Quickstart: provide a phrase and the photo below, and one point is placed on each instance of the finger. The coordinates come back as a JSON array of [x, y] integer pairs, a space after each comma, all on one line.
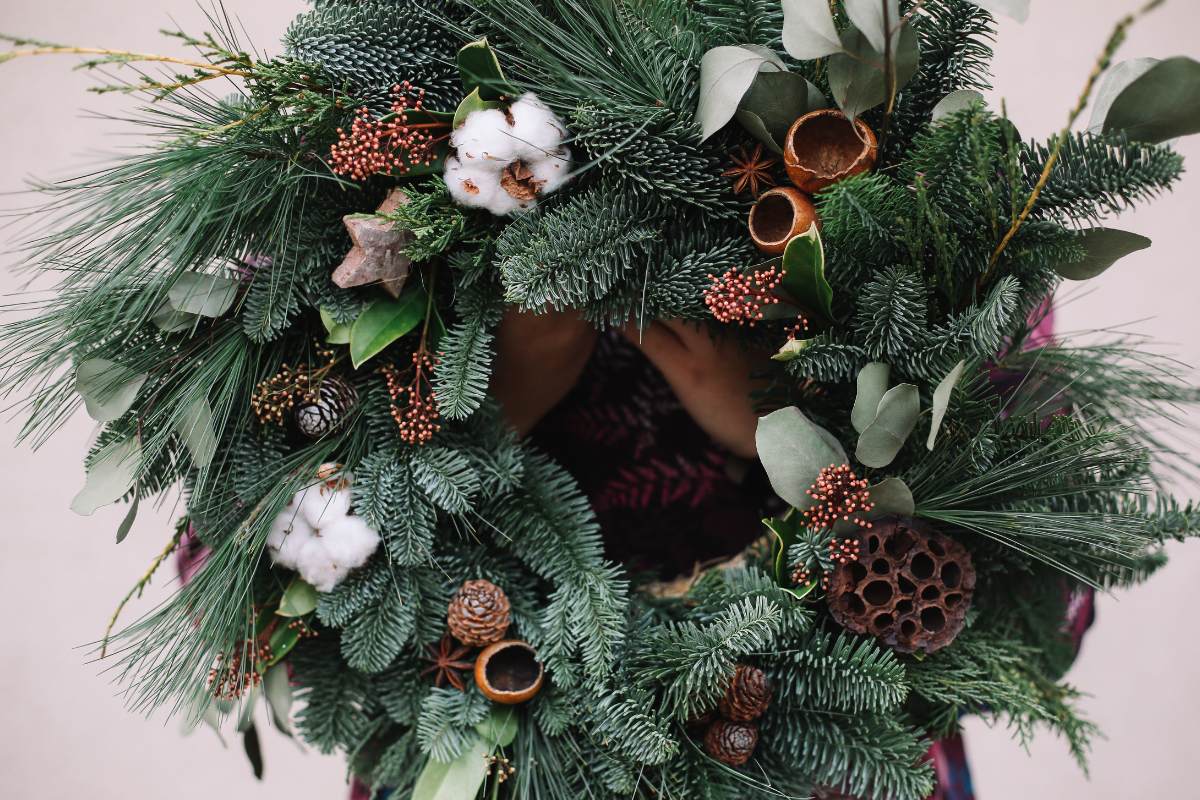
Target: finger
[[657, 341]]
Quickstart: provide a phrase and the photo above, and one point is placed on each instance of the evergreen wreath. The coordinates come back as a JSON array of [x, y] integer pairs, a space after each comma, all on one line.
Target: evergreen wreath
[[288, 307]]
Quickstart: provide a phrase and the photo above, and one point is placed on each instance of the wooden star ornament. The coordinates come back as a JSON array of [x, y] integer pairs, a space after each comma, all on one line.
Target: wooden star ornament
[[377, 256]]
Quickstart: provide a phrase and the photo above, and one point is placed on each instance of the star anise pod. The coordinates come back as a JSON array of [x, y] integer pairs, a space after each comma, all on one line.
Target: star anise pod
[[448, 659], [751, 170]]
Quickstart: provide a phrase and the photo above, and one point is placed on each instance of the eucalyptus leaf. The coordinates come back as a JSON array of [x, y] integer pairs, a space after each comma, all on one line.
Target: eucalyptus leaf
[[891, 496], [897, 415], [956, 101], [109, 475], [195, 429], [480, 70], [336, 332], [941, 401], [457, 780], [877, 19], [499, 727], [808, 29], [804, 273], [127, 523], [1103, 247], [1161, 104], [872, 385], [383, 322], [246, 704], [1016, 9], [856, 76], [108, 389], [793, 451], [168, 320], [726, 74], [299, 598], [278, 690], [202, 295], [1115, 81], [774, 102]]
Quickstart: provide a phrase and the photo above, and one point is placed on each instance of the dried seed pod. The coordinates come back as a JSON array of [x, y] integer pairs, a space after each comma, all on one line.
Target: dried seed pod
[[479, 613], [325, 413], [748, 695], [777, 216], [508, 672], [911, 586], [731, 743], [823, 147]]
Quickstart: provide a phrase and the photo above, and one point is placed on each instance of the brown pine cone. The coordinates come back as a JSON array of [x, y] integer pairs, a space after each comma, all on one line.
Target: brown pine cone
[[731, 742], [479, 614], [748, 695]]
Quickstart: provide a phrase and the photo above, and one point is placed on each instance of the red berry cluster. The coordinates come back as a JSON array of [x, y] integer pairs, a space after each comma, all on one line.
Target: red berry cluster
[[393, 143], [738, 297], [414, 403], [841, 496]]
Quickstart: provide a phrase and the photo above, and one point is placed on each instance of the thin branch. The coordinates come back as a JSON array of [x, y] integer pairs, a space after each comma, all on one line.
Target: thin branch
[[140, 586], [124, 57]]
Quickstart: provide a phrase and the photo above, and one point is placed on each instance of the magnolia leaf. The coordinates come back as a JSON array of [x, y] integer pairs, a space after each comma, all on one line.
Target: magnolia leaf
[[956, 101], [804, 273], [481, 73], [793, 451], [808, 29], [1115, 81], [891, 496], [897, 415], [383, 322], [877, 19], [1103, 247], [857, 78], [336, 332], [461, 778], [195, 429], [108, 389], [253, 748], [872, 384], [469, 105], [278, 690], [499, 727], [774, 102], [1160, 104], [282, 641], [109, 476], [203, 295], [791, 349], [786, 531], [1016, 9], [726, 74], [168, 320], [941, 401], [127, 523], [299, 598]]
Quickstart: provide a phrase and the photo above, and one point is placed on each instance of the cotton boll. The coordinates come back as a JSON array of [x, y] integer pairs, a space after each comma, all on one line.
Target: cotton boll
[[319, 504], [318, 567], [552, 171], [484, 138], [474, 186], [350, 541], [536, 131], [288, 535]]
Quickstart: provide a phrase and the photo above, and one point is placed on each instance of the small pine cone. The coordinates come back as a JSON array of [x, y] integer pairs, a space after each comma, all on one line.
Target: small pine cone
[[328, 411], [479, 614], [748, 695], [731, 743]]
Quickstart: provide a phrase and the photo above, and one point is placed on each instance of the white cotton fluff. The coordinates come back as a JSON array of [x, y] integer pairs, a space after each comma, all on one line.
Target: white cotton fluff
[[490, 140], [318, 537]]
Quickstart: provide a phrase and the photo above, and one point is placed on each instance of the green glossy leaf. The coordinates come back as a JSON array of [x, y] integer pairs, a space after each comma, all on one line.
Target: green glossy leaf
[[299, 598], [793, 451], [336, 332], [785, 531], [956, 101], [108, 389], [1160, 104], [127, 523], [480, 70], [877, 19], [470, 104], [278, 690], [202, 295], [857, 78], [1115, 81], [808, 29], [1017, 9], [1103, 247], [941, 401], [726, 74], [282, 641], [804, 274], [791, 349], [774, 102], [458, 780], [195, 429], [110, 475], [383, 322], [897, 415], [872, 384], [499, 727]]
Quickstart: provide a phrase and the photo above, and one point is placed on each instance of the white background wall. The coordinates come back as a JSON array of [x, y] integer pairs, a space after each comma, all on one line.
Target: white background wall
[[64, 733]]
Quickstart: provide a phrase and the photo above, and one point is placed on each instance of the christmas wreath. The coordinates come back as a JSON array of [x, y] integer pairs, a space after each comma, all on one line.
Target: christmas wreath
[[288, 307]]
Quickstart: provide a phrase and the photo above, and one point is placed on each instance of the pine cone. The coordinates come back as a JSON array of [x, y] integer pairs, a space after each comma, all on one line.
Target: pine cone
[[731, 742], [748, 695], [479, 614], [326, 412]]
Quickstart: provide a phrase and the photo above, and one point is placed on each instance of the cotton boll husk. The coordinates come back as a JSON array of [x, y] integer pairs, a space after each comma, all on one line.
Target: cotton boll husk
[[483, 178], [349, 541], [535, 131], [320, 504], [553, 170], [287, 537], [485, 138]]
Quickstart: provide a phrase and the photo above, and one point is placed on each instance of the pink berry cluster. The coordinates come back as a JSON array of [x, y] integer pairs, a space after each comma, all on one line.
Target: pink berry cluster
[[841, 496], [739, 297], [392, 144]]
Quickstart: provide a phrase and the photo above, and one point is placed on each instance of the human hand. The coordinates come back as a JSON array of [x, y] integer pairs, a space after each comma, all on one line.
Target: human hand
[[712, 377], [539, 357]]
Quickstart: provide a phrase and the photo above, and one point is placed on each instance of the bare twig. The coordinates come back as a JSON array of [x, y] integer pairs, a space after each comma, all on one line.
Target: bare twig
[[140, 586]]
